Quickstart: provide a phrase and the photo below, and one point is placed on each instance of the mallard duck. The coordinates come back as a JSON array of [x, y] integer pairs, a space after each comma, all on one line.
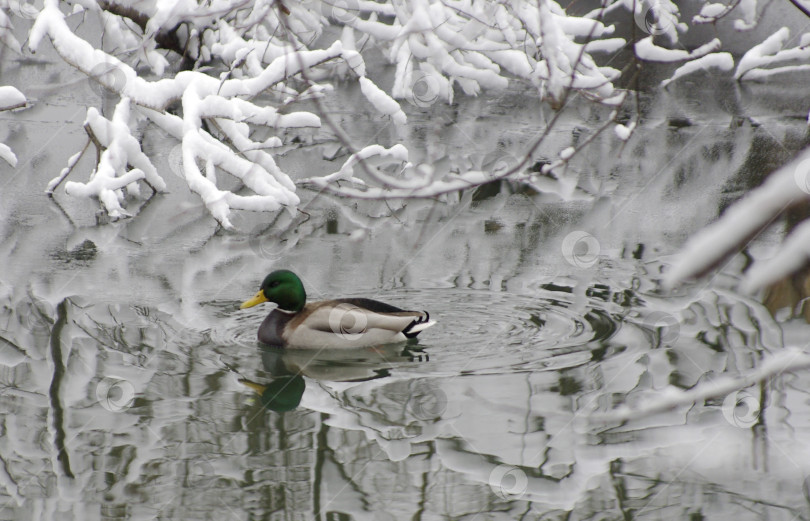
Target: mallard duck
[[342, 323]]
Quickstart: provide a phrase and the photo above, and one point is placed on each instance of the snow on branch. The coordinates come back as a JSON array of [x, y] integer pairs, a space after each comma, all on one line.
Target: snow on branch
[[409, 181], [202, 98], [745, 219], [389, 175], [7, 155], [257, 64], [374, 157], [712, 13], [647, 50], [722, 61], [213, 63], [753, 64], [792, 257], [702, 58], [436, 45], [10, 99], [7, 33], [786, 360], [119, 150]]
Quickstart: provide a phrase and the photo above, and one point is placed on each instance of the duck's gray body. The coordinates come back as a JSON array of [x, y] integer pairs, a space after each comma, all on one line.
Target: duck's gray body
[[342, 323]]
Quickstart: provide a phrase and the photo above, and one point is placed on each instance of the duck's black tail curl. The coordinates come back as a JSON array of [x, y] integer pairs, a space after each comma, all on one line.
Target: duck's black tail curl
[[418, 325]]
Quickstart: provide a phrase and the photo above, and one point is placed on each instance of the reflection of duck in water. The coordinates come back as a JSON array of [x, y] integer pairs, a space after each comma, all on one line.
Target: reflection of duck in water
[[284, 393], [331, 324], [345, 365]]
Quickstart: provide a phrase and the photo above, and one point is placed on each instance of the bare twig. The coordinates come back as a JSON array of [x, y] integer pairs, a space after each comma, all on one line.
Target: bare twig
[[68, 169], [801, 8]]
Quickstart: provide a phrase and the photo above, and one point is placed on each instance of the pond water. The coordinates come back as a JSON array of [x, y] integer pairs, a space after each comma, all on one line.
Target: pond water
[[132, 386]]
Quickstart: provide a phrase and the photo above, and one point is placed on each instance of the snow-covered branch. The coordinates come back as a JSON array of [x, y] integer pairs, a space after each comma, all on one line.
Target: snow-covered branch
[[10, 99], [226, 72], [745, 219], [202, 98], [119, 149], [411, 181], [787, 360], [436, 45], [759, 61]]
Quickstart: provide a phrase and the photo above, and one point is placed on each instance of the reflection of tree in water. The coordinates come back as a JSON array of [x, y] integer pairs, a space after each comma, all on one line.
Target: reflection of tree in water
[[190, 442], [194, 443]]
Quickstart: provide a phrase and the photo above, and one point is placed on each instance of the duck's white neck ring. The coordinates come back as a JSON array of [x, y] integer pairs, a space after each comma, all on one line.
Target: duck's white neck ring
[[286, 311]]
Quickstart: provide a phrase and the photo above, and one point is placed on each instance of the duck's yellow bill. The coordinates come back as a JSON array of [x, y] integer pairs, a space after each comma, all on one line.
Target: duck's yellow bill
[[258, 388], [258, 298]]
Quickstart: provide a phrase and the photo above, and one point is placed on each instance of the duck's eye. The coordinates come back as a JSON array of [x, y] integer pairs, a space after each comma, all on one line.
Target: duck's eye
[[274, 283]]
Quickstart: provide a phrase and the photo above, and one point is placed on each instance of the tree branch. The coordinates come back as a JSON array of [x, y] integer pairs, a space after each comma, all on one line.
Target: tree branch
[[164, 39], [801, 8]]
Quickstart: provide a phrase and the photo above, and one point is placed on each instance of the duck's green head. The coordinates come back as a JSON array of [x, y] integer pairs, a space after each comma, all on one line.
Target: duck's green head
[[282, 287]]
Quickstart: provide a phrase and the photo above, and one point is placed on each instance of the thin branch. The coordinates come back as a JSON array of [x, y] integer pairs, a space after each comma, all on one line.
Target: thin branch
[[801, 8], [54, 185]]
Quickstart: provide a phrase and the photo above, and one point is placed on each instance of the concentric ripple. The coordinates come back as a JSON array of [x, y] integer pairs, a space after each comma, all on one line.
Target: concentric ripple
[[488, 332], [480, 331], [236, 326]]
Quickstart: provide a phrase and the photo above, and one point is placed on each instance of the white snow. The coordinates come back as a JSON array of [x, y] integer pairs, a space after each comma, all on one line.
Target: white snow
[[647, 50], [382, 101], [761, 74], [793, 255], [770, 53], [624, 132], [369, 159], [608, 45], [7, 155], [709, 13], [437, 48], [7, 33], [121, 150], [11, 98], [721, 60], [53, 183], [749, 15], [743, 220], [786, 360]]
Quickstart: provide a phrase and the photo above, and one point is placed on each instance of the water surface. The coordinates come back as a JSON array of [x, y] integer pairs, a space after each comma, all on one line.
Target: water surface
[[132, 387]]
